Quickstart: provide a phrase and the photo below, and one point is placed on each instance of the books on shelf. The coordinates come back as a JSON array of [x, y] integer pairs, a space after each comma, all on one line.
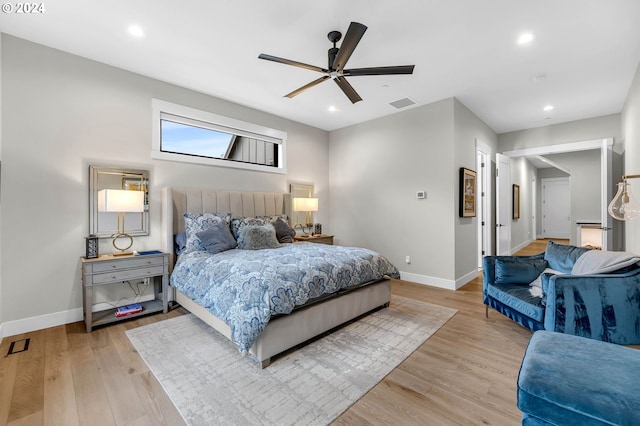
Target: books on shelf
[[123, 311]]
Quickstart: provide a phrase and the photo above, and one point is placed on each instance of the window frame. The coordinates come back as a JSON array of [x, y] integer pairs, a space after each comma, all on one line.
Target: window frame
[[185, 115]]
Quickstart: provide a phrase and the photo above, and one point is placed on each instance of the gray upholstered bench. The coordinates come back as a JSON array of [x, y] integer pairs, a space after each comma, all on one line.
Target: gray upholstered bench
[[571, 380]]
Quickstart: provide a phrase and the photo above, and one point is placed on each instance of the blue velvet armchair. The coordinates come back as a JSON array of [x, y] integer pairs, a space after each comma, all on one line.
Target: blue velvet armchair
[[602, 306]]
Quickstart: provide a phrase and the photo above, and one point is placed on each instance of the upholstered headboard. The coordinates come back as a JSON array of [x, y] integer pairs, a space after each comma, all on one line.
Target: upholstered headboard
[[178, 201]]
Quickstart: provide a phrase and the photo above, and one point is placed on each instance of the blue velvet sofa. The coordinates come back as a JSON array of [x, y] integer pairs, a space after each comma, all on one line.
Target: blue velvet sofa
[[601, 306]]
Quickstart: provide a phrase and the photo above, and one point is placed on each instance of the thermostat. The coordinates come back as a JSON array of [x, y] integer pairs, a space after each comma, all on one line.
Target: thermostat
[[421, 194]]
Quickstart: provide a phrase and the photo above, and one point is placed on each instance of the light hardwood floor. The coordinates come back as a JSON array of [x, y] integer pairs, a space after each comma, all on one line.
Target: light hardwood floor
[[464, 374]]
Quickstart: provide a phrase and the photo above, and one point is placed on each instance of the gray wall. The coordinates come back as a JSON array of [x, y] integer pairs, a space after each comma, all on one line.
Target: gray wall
[[631, 131], [522, 172], [61, 114], [574, 131], [375, 170], [1, 173], [467, 128]]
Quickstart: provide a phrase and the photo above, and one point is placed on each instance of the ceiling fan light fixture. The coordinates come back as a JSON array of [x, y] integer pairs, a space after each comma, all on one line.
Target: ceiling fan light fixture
[[338, 58]]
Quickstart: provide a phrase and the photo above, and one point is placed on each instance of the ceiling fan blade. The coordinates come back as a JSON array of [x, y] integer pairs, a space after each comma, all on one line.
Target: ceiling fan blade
[[348, 89], [306, 86], [399, 69], [290, 62], [351, 40]]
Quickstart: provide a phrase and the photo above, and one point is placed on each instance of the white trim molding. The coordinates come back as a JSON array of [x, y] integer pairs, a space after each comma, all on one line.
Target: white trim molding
[[439, 282], [160, 107], [26, 325]]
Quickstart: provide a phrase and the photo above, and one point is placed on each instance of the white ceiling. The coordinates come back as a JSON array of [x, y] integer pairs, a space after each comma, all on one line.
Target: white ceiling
[[587, 49]]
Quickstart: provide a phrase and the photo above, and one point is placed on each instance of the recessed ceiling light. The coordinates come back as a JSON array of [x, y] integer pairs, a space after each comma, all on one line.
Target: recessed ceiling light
[[333, 109], [548, 108], [136, 31], [525, 38]]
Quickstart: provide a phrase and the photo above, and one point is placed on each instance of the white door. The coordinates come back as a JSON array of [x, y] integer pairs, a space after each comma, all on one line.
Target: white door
[[484, 198], [556, 208], [534, 206], [503, 205], [606, 194]]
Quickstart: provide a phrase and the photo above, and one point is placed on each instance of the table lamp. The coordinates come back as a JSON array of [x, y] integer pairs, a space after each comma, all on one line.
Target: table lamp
[[121, 201], [306, 205]]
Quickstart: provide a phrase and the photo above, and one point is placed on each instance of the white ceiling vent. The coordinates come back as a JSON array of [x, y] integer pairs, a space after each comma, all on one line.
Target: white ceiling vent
[[402, 103]]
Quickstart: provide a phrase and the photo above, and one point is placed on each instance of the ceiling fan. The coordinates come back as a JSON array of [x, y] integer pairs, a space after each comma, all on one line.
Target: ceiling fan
[[338, 58]]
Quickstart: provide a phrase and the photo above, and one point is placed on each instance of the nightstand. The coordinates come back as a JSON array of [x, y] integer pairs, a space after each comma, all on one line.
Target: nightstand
[[109, 270], [319, 238]]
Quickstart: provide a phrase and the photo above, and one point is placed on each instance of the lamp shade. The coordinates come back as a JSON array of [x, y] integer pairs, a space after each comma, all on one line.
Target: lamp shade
[[120, 201], [305, 204], [624, 206]]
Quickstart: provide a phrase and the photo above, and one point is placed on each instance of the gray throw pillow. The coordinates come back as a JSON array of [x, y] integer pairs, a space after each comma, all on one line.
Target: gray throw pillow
[[258, 237], [217, 238], [284, 232]]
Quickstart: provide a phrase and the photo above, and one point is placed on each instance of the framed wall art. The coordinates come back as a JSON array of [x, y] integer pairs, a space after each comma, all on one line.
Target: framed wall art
[[467, 193], [516, 201]]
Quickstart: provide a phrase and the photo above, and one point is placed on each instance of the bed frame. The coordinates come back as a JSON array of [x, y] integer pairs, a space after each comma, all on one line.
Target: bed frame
[[286, 331]]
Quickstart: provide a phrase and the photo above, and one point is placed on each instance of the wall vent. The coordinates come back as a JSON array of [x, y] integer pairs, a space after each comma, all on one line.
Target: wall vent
[[402, 103]]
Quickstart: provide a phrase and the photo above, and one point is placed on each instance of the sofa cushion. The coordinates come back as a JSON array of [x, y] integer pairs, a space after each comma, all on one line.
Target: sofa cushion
[[517, 271], [518, 298], [570, 380], [562, 257]]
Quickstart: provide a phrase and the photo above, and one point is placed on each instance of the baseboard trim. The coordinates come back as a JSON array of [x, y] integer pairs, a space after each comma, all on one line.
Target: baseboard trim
[[466, 278], [521, 246], [427, 280], [26, 325], [439, 282]]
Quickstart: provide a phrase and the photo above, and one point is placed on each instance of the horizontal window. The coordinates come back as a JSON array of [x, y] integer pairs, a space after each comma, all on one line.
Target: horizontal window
[[188, 135]]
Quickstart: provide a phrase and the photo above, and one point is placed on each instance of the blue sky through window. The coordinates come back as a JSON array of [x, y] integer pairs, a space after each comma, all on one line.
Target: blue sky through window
[[185, 139]]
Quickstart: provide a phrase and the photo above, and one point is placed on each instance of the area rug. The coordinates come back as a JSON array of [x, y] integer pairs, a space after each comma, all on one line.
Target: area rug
[[211, 384]]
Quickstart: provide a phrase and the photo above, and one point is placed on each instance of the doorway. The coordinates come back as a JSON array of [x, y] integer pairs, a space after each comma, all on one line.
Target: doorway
[[556, 208], [605, 147]]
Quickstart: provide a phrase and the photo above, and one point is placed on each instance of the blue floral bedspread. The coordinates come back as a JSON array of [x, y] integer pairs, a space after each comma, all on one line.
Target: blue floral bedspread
[[245, 288]]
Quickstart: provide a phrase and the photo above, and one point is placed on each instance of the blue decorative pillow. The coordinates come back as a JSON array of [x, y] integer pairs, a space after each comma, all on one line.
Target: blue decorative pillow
[[562, 257], [512, 271], [237, 223], [257, 237], [198, 222], [179, 242], [217, 238]]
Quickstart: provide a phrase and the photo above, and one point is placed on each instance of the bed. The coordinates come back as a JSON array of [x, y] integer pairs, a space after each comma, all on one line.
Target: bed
[[286, 326]]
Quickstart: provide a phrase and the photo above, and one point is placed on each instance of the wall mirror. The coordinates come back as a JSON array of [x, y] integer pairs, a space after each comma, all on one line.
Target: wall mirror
[[105, 224]]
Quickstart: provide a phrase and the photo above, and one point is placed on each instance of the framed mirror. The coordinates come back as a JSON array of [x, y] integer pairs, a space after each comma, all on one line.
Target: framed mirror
[[105, 224]]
